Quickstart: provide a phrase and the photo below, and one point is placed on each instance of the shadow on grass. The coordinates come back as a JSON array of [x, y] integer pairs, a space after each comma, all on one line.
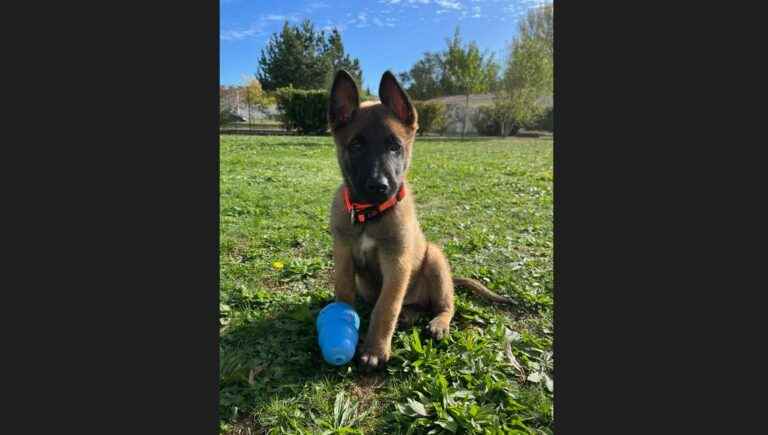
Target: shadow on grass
[[271, 367], [275, 359]]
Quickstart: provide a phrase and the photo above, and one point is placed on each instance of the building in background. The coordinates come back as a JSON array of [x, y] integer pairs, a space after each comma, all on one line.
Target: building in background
[[455, 110]]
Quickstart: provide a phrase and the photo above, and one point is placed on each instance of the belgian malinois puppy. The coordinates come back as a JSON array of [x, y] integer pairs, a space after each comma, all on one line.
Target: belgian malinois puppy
[[379, 250]]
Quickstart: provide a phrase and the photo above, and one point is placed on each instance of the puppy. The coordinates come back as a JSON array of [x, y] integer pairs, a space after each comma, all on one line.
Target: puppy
[[379, 249]]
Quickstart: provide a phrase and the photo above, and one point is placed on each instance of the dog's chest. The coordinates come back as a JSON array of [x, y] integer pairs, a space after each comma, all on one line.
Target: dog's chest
[[364, 251], [366, 244]]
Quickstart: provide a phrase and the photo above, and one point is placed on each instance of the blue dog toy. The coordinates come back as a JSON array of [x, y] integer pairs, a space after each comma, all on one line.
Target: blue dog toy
[[337, 326]]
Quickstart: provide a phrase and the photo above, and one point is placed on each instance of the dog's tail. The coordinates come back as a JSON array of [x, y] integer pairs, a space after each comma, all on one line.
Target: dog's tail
[[481, 290]]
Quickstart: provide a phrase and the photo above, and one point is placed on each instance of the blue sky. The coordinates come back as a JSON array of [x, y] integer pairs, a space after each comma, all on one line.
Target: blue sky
[[383, 34]]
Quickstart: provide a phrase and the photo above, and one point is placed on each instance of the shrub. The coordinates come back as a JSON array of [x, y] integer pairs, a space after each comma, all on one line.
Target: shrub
[[484, 122], [228, 117], [488, 120], [303, 110], [432, 116], [546, 121]]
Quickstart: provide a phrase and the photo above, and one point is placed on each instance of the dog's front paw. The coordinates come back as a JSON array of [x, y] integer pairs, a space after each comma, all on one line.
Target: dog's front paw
[[374, 357], [439, 327]]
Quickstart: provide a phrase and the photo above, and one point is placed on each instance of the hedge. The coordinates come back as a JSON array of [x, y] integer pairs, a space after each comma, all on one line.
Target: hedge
[[547, 120], [432, 116], [227, 117], [486, 121], [303, 110]]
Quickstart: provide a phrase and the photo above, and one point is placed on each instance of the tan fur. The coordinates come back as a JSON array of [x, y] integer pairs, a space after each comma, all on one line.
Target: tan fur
[[390, 273], [388, 261]]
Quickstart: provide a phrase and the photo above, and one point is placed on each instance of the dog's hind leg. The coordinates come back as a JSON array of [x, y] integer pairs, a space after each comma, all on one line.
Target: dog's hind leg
[[436, 281], [409, 315]]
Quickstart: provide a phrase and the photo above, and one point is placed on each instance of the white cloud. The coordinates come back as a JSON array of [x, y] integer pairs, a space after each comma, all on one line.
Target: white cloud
[[449, 4], [237, 35], [333, 24], [394, 2], [257, 28], [520, 8], [361, 20], [330, 27], [317, 5], [412, 3], [280, 17]]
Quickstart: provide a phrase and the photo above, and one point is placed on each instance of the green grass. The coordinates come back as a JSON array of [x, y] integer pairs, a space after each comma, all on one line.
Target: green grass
[[487, 202], [260, 125]]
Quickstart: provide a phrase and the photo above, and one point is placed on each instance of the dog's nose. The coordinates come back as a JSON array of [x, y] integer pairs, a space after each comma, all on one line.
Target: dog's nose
[[377, 186]]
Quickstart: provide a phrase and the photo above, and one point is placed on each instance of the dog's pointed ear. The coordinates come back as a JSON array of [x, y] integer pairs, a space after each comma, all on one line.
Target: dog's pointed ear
[[344, 100], [394, 97]]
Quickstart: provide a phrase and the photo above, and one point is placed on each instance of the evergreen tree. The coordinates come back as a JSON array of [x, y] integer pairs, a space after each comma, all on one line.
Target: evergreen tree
[[302, 57]]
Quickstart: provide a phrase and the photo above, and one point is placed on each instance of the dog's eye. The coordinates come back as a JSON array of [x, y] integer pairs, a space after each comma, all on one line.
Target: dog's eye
[[354, 146], [395, 147]]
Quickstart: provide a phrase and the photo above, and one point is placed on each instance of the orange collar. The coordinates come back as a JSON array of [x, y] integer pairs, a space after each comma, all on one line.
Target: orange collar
[[365, 212]]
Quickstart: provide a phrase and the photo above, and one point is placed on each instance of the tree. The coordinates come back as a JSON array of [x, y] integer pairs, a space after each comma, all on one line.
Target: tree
[[529, 74], [253, 93], [423, 81], [467, 71], [492, 76], [432, 116], [539, 25], [304, 58], [367, 95], [505, 116], [338, 59], [254, 97], [293, 57], [496, 119]]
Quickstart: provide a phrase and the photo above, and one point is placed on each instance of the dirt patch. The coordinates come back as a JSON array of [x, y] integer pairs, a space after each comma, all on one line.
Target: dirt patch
[[246, 426], [365, 389]]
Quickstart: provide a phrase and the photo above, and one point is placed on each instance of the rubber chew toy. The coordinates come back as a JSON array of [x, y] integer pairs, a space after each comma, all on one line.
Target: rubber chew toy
[[337, 326]]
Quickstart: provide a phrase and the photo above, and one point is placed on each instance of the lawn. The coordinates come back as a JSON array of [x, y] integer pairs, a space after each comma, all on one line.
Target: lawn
[[487, 202]]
